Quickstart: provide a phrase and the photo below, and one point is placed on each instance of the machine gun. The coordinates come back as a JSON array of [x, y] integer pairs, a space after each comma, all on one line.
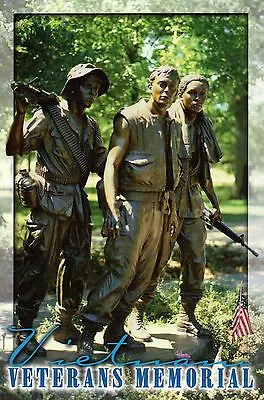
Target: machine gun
[[33, 95], [222, 227], [50, 103]]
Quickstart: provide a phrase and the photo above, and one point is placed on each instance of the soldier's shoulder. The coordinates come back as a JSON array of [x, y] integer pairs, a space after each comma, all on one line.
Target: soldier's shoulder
[[134, 110], [175, 111], [93, 121]]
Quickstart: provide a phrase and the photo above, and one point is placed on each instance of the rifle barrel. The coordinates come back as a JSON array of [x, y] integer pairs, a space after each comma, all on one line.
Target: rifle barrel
[[222, 227], [249, 248]]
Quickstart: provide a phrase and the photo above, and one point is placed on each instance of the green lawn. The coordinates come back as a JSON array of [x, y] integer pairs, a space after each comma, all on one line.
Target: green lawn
[[233, 210]]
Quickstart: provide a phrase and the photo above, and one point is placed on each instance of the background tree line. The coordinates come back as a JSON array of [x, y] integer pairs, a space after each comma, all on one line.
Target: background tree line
[[128, 46]]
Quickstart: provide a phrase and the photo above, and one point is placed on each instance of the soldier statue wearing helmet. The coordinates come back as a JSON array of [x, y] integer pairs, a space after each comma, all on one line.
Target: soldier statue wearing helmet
[[59, 227]]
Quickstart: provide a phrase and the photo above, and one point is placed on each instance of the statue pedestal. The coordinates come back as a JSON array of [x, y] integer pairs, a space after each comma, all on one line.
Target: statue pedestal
[[167, 345]]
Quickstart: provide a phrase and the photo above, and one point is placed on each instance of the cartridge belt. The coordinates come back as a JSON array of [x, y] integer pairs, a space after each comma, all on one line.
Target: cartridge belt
[[53, 178]]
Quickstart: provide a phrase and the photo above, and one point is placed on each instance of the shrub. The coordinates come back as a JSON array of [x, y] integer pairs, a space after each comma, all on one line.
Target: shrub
[[223, 259], [215, 311]]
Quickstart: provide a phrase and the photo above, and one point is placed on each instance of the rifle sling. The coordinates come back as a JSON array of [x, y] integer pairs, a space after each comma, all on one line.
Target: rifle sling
[[66, 132]]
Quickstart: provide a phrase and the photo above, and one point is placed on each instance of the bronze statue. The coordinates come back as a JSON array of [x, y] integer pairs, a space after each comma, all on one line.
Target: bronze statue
[[199, 150], [59, 225], [142, 170]]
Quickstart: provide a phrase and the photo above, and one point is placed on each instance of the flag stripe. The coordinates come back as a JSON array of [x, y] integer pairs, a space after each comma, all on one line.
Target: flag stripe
[[241, 323]]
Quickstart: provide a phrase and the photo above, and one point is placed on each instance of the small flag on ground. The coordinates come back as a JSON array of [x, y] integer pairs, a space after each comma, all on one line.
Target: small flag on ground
[[241, 323]]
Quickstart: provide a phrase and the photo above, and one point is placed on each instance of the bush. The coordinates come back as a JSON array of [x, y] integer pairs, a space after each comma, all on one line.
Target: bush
[[215, 311], [220, 259]]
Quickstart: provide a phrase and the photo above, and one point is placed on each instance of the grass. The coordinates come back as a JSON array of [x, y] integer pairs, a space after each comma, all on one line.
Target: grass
[[97, 217], [233, 210]]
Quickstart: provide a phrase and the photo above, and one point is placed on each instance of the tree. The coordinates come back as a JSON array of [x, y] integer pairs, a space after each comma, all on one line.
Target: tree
[[127, 47], [216, 46], [49, 46]]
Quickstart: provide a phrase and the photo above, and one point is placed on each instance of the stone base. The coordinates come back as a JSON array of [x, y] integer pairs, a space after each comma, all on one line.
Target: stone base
[[167, 346]]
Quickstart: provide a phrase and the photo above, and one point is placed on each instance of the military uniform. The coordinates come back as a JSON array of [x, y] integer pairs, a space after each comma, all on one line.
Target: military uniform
[[59, 229], [198, 150], [143, 184]]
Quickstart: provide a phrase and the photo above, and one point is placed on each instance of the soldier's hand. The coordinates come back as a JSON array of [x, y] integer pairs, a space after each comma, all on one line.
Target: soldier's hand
[[21, 103], [111, 226], [216, 214]]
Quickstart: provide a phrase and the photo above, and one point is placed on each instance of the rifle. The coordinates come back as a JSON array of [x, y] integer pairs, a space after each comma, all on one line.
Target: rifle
[[33, 95], [222, 227]]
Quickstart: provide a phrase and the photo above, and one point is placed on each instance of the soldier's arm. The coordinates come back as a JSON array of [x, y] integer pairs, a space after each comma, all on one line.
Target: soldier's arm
[[208, 188], [14, 142], [118, 148], [26, 137]]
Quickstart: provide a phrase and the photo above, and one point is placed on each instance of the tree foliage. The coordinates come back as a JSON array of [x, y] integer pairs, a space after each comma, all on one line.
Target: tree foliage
[[48, 47], [128, 46], [216, 46]]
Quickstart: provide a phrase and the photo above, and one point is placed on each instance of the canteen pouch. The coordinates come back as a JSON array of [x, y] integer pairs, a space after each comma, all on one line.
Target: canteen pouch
[[27, 189]]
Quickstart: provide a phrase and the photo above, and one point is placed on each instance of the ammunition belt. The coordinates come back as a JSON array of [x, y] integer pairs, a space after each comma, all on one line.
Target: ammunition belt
[[53, 178], [66, 132]]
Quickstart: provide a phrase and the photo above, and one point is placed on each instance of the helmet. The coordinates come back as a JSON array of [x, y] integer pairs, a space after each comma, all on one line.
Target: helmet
[[81, 70]]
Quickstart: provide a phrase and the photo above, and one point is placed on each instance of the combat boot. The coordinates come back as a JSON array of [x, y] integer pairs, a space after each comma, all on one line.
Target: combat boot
[[85, 345], [33, 344], [187, 322], [115, 332], [136, 324], [67, 333]]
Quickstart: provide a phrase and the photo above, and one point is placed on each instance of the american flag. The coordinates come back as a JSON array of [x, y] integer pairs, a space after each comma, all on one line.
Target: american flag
[[241, 323]]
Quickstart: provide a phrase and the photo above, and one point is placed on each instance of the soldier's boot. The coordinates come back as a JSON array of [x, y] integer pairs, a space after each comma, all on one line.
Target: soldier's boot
[[86, 342], [32, 344], [115, 332], [187, 322], [67, 333], [136, 324]]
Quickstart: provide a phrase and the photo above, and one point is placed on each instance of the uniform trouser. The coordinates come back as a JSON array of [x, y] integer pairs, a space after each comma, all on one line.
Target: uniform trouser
[[51, 241], [130, 260], [191, 240]]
